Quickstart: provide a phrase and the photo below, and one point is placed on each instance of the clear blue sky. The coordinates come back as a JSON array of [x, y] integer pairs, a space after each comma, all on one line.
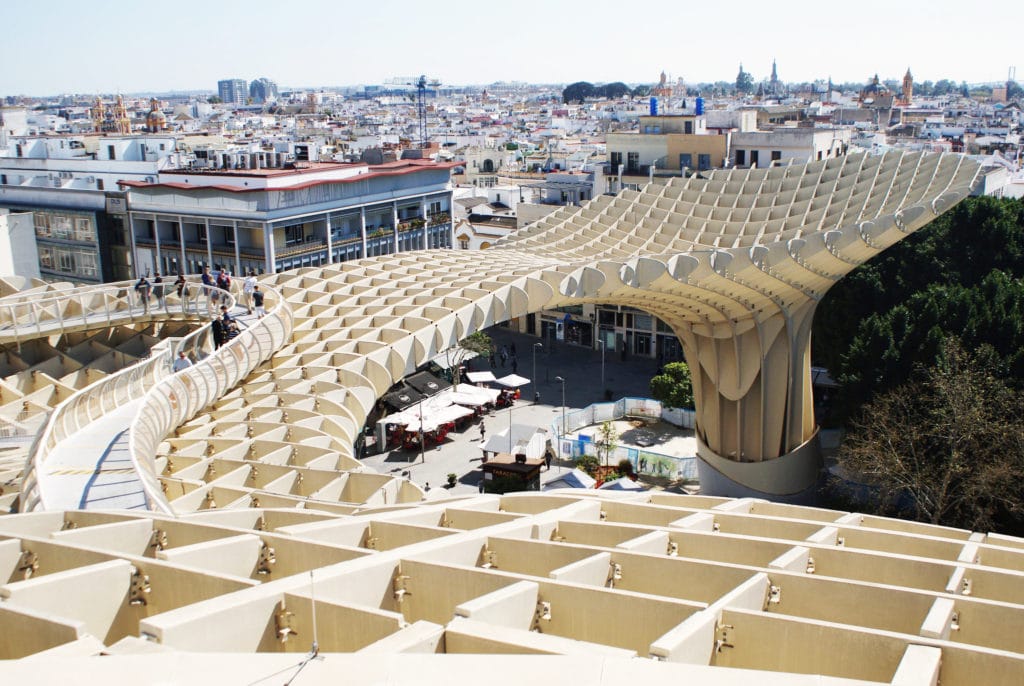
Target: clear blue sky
[[84, 46]]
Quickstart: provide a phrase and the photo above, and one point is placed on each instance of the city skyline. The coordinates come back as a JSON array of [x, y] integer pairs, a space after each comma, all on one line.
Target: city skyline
[[128, 49]]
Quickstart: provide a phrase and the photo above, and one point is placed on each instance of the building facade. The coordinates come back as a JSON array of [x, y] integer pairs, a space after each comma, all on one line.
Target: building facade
[[274, 219], [232, 91], [70, 184]]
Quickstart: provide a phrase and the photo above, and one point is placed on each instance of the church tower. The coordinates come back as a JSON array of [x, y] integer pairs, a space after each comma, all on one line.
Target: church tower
[[908, 87]]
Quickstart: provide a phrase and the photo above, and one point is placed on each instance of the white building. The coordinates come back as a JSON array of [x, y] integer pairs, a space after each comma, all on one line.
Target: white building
[[18, 254]]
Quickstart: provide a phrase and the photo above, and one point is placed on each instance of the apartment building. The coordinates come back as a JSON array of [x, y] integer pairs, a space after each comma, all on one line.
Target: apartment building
[[785, 144], [664, 146], [271, 219], [70, 185]]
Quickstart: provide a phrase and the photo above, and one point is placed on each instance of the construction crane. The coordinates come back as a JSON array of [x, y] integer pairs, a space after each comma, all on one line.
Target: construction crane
[[421, 109]]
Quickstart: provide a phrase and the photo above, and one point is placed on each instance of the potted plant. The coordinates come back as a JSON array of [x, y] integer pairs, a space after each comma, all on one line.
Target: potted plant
[[452, 478]]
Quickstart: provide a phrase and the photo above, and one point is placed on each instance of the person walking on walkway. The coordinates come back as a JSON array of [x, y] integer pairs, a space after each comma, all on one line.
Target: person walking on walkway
[[248, 288], [483, 430], [182, 363], [181, 287], [142, 289], [209, 285], [158, 289], [257, 301]]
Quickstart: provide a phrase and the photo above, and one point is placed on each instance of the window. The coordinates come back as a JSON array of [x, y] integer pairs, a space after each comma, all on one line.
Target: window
[[201, 232], [435, 208], [295, 233], [61, 226], [229, 235], [753, 158], [83, 229], [65, 261], [42, 223], [819, 155], [741, 158], [111, 152], [99, 184], [703, 162], [86, 263], [776, 155], [46, 257], [463, 244], [632, 162], [616, 162], [688, 127]]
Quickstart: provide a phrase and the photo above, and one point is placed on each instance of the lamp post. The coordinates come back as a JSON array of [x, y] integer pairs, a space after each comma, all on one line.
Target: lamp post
[[604, 346], [423, 452], [536, 393], [561, 381]]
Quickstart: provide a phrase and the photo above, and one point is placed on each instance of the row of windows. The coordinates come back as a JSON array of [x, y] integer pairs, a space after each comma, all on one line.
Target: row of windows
[[63, 226], [76, 261]]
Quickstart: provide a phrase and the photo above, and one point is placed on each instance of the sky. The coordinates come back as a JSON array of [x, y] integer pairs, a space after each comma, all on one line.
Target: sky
[[107, 46]]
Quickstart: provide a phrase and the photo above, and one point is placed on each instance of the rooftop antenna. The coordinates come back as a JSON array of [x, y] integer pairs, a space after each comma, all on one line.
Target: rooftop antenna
[[314, 651]]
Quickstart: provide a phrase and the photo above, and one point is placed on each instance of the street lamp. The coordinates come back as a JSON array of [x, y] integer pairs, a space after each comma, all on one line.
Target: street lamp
[[423, 453], [536, 393], [604, 346], [561, 381]]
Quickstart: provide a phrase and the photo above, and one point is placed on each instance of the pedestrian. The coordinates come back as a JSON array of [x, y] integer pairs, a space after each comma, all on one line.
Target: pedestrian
[[483, 430], [182, 363], [210, 286], [547, 459], [248, 288], [142, 290], [257, 301], [158, 289], [217, 327]]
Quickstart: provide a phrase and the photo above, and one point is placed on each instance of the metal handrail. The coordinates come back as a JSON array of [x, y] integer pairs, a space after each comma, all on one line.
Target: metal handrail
[[24, 317], [176, 398], [95, 400]]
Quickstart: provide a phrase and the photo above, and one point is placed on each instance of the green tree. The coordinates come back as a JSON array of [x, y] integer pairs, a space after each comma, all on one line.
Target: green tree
[[673, 387], [214, 100], [960, 275], [616, 90], [947, 447], [578, 92], [641, 91], [607, 440], [744, 82], [478, 342]]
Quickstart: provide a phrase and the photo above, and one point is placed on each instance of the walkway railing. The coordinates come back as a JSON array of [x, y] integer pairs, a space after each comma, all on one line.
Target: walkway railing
[[95, 400], [26, 317], [177, 398], [644, 461]]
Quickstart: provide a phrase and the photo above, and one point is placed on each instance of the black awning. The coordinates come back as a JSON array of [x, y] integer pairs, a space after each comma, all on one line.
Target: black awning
[[401, 398], [426, 383]]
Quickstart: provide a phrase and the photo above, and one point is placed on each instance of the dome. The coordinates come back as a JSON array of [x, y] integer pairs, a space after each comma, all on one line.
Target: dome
[[156, 120]]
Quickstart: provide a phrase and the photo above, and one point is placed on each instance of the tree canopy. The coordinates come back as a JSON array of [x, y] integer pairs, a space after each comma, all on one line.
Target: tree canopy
[[581, 90], [962, 275], [744, 81], [673, 387], [947, 446]]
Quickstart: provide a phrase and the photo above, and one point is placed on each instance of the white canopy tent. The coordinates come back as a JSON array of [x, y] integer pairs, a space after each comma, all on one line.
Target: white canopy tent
[[513, 381], [480, 377]]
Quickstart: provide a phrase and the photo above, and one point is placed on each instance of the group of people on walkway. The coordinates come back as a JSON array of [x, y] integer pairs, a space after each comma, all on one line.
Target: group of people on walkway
[[507, 354]]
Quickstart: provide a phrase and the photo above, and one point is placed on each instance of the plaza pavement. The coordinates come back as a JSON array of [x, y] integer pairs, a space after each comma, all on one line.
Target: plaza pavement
[[460, 453]]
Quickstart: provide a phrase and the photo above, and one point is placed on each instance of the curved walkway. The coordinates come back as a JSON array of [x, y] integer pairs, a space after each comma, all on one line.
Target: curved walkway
[[92, 467]]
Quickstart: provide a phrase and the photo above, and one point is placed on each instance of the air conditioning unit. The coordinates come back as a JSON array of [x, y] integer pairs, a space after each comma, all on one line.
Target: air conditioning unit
[[90, 179], [150, 179]]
